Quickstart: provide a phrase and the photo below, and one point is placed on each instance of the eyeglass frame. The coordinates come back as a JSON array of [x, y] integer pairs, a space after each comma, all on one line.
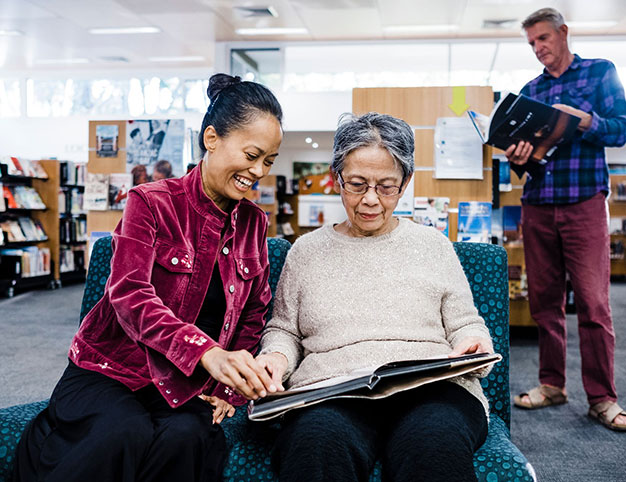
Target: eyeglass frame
[[375, 187]]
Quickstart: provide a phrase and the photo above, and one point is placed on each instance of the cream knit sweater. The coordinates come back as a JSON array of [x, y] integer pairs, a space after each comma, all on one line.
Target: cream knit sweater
[[344, 303]]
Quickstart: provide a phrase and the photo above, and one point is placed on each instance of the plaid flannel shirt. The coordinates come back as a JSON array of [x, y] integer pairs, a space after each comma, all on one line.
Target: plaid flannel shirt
[[578, 170]]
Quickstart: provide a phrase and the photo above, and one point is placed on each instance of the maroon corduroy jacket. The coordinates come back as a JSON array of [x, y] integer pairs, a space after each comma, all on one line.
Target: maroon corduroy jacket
[[142, 330]]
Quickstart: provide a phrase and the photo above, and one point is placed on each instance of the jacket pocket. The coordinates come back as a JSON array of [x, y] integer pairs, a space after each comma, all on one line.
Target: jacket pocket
[[174, 258], [248, 268], [171, 272]]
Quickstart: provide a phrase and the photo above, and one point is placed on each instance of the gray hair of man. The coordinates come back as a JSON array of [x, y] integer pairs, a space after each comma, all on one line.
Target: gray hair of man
[[374, 129], [549, 15]]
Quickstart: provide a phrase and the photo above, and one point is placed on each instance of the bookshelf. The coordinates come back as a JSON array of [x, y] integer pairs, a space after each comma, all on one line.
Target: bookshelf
[[72, 222], [27, 236], [617, 209]]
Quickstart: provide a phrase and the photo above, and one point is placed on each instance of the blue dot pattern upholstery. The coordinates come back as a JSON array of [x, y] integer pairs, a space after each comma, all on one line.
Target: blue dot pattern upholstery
[[13, 420], [97, 274], [485, 266], [250, 443]]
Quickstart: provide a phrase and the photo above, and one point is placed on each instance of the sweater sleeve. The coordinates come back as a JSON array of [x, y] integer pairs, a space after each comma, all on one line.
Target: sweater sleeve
[[459, 315], [282, 332]]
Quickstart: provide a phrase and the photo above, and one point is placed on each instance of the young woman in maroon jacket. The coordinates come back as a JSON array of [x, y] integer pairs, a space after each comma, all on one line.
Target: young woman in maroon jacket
[[165, 354]]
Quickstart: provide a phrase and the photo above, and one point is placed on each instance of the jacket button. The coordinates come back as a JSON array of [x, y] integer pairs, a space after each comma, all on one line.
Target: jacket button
[[174, 261], [225, 250], [168, 391], [226, 326], [175, 400], [245, 270], [231, 288]]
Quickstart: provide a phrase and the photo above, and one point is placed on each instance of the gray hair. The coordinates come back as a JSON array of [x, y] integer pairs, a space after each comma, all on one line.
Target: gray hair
[[374, 129], [549, 15]]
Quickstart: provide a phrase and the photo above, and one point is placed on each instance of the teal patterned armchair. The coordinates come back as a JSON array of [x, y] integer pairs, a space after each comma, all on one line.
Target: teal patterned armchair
[[250, 443]]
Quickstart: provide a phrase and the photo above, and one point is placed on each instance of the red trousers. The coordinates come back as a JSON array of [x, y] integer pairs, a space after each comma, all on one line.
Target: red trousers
[[572, 238]]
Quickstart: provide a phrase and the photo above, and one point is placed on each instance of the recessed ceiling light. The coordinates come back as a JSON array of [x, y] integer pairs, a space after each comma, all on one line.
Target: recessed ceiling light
[[592, 24], [249, 76], [272, 31], [11, 33], [315, 145], [76, 60], [187, 58], [420, 28], [123, 30], [308, 140]]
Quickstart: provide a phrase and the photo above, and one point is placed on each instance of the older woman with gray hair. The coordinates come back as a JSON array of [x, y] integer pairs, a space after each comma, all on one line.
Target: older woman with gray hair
[[368, 291]]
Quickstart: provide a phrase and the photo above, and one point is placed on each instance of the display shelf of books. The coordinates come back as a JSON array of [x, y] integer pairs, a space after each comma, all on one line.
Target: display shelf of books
[[25, 253], [287, 213], [72, 222], [263, 194], [617, 223]]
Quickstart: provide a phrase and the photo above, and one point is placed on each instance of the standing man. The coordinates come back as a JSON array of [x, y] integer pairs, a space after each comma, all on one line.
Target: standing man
[[565, 219]]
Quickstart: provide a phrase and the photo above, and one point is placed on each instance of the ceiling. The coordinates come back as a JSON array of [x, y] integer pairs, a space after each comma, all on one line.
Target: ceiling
[[53, 34]]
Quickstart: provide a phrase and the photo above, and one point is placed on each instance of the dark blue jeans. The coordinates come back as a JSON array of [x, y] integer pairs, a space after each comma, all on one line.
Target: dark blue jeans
[[429, 433]]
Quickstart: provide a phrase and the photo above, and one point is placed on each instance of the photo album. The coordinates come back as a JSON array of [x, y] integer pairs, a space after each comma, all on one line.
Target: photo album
[[378, 382]]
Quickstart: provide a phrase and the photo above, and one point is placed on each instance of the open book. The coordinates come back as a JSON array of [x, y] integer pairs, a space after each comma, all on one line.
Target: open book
[[378, 382], [519, 118]]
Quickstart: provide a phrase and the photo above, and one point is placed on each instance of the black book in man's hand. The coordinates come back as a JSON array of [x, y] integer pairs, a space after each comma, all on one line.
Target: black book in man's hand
[[378, 382], [519, 118]]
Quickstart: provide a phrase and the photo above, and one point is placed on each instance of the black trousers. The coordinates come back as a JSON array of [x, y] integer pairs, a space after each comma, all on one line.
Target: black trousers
[[429, 433], [96, 428]]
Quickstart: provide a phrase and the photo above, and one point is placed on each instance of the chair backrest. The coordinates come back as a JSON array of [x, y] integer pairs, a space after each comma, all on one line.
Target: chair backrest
[[485, 266], [100, 268]]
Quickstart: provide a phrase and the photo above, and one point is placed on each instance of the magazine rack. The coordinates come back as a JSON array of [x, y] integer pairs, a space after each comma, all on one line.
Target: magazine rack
[[250, 442]]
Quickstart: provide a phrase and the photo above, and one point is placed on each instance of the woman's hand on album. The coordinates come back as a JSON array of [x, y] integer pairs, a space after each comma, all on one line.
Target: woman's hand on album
[[221, 408], [470, 345], [239, 370], [276, 365], [519, 153]]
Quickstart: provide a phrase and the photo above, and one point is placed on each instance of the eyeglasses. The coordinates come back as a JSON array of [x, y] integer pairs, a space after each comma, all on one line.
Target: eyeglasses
[[363, 187]]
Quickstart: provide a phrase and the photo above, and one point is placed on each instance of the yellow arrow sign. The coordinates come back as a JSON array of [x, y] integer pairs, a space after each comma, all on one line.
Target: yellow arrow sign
[[458, 106]]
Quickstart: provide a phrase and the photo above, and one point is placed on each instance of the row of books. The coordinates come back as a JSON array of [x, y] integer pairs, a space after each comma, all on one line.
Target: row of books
[[73, 173], [23, 167], [32, 261], [71, 201], [106, 191], [73, 230], [22, 197], [474, 218], [71, 258], [21, 229]]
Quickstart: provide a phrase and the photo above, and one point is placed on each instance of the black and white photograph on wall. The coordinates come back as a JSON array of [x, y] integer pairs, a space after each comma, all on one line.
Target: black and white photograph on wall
[[154, 149]]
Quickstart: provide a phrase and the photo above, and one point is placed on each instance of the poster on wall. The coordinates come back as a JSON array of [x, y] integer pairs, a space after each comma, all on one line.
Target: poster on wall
[[154, 149], [119, 184], [458, 152], [107, 140], [313, 177]]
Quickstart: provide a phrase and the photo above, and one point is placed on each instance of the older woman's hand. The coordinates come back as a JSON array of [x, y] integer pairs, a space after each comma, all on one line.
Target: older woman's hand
[[222, 408], [472, 344], [276, 365]]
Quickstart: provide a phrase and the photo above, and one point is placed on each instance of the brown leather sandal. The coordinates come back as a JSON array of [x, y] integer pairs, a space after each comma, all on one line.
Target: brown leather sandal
[[540, 397], [606, 412]]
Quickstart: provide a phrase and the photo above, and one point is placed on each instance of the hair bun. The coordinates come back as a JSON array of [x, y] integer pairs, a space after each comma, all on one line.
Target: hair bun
[[219, 82]]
